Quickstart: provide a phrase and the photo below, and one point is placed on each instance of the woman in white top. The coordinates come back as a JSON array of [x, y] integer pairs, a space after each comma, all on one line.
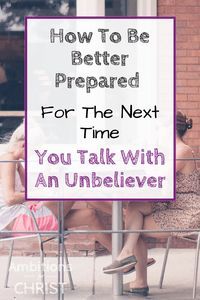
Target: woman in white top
[[14, 216]]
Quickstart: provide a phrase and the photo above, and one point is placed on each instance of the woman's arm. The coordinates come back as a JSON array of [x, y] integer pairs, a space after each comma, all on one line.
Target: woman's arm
[[21, 173], [180, 164], [181, 153], [11, 197]]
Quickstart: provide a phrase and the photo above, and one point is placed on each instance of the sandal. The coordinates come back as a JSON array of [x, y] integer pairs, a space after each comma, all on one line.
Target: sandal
[[150, 262], [119, 266], [144, 291]]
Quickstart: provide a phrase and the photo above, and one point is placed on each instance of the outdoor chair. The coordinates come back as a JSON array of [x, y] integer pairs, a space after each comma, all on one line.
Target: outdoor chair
[[41, 242], [193, 238]]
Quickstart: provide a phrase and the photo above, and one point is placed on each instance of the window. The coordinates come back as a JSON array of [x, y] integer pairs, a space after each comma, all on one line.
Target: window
[[12, 14], [120, 7]]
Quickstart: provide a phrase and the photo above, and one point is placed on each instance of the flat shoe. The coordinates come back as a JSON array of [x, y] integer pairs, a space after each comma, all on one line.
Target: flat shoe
[[150, 262], [137, 291], [118, 266]]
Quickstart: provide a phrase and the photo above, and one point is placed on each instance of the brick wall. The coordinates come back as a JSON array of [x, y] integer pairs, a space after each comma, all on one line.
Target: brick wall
[[187, 14]]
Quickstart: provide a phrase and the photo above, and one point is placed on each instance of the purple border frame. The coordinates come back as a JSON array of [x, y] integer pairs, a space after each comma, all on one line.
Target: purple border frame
[[25, 105]]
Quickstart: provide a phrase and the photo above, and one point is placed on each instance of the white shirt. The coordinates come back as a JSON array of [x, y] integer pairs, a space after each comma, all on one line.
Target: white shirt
[[9, 213]]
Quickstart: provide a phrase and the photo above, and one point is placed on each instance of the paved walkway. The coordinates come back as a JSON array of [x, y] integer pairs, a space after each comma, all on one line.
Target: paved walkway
[[25, 283]]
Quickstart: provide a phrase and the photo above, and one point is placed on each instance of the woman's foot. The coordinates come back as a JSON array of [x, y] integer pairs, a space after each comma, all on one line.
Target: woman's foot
[[150, 261], [136, 287], [120, 266]]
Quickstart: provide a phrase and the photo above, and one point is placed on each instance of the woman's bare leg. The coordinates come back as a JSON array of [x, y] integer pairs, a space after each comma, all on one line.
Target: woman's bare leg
[[104, 206], [140, 251], [138, 216], [134, 220], [53, 206], [88, 216]]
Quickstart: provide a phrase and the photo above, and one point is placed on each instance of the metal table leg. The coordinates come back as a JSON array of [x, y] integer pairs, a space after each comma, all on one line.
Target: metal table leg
[[61, 252], [59, 225], [117, 224]]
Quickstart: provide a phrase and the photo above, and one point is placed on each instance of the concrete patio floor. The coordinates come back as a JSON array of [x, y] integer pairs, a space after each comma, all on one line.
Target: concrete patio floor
[[177, 284]]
